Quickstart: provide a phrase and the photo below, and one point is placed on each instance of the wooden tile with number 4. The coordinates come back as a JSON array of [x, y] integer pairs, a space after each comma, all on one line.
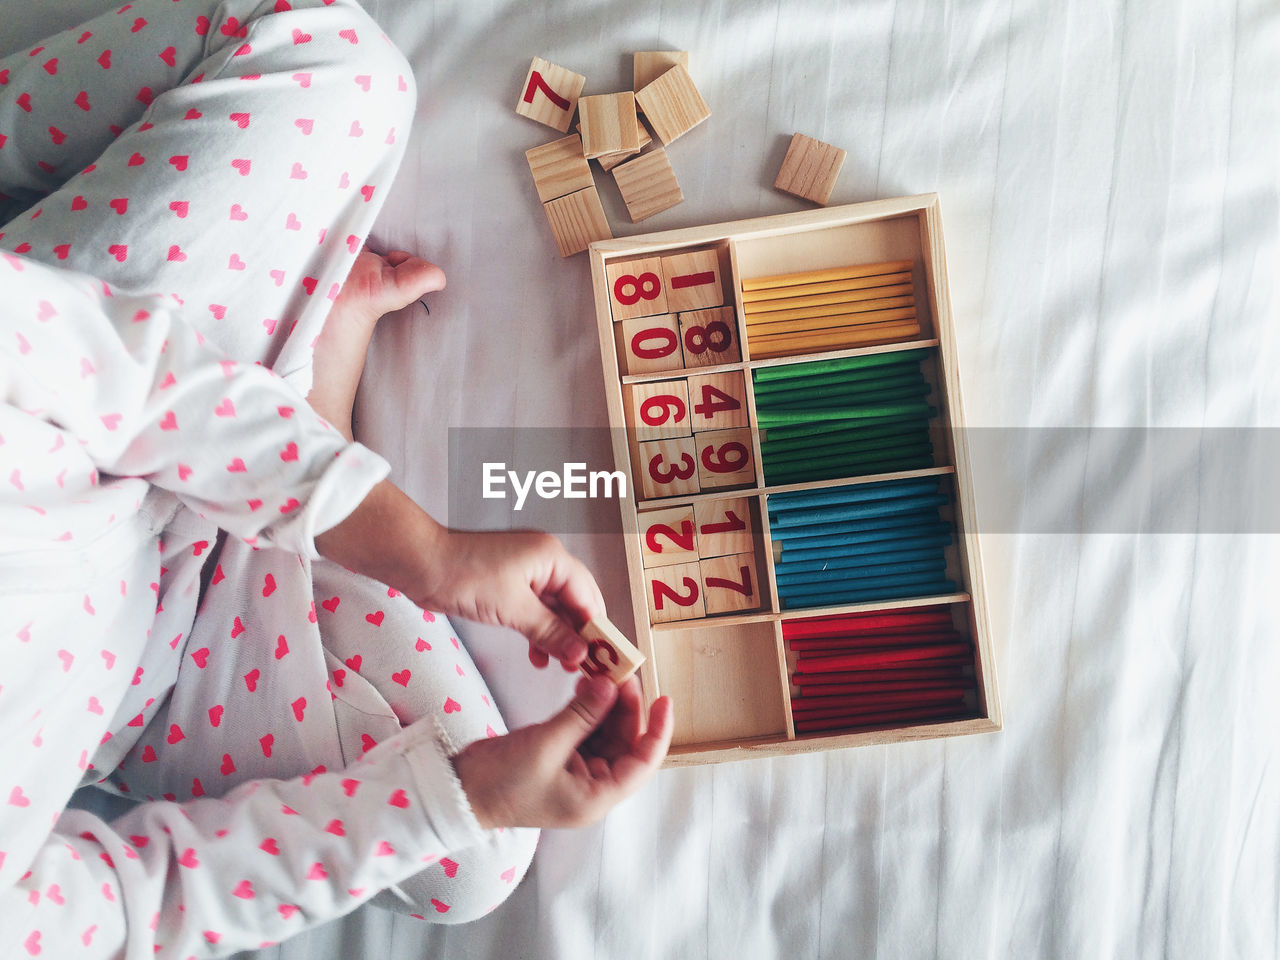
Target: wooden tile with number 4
[[718, 401], [668, 536], [550, 94], [730, 584], [609, 652]]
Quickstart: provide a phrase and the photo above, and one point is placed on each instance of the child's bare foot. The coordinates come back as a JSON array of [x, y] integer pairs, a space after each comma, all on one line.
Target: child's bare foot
[[377, 285]]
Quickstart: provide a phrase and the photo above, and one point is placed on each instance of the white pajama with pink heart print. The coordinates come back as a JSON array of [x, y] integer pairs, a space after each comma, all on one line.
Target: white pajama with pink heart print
[[187, 184]]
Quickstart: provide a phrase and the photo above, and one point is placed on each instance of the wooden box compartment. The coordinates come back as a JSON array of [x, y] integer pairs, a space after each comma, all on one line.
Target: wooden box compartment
[[863, 444]]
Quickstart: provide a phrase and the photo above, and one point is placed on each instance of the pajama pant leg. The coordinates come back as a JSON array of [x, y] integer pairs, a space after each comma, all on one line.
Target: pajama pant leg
[[235, 157]]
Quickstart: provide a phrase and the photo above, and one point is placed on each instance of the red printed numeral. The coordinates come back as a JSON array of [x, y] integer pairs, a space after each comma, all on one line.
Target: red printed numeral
[[536, 83], [668, 536], [730, 583], [675, 593], [668, 467]]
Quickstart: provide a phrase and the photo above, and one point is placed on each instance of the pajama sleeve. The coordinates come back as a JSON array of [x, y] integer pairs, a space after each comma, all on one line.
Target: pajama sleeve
[[147, 396], [210, 877]]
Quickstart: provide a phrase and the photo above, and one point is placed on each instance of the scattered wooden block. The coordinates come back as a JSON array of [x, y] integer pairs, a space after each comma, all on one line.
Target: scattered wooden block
[[657, 411], [577, 221], [609, 124], [559, 168], [648, 185], [647, 66], [550, 94], [809, 169], [672, 104], [717, 401], [636, 288], [723, 527], [668, 468], [708, 337], [610, 160], [650, 344], [668, 536], [675, 593], [609, 653], [692, 280], [724, 458], [730, 584]]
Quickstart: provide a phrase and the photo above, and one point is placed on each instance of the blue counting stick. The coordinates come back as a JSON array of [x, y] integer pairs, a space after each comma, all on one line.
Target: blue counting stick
[[926, 547], [869, 575], [905, 522], [841, 597], [855, 511], [886, 583], [854, 493]]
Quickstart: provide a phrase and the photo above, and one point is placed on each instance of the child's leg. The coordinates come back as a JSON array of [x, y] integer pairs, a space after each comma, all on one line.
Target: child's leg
[[232, 152]]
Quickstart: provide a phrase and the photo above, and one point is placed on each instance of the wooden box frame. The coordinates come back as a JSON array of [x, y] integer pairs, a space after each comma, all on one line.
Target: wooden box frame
[[729, 675]]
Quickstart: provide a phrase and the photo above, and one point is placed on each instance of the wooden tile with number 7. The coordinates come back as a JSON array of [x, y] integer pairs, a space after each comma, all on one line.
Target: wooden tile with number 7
[[730, 584], [550, 94]]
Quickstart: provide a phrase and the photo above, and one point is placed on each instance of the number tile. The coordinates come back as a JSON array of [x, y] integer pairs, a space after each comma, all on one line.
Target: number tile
[[668, 468], [672, 104], [718, 401], [724, 527], [636, 288], [609, 124], [668, 536], [658, 411], [559, 168], [648, 185], [730, 584], [810, 168], [724, 458], [709, 337], [650, 344], [577, 221], [609, 652], [648, 65], [692, 280], [550, 94], [674, 593]]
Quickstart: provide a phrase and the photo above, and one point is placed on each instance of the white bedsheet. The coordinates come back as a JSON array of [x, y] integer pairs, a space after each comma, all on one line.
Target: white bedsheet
[[1109, 179]]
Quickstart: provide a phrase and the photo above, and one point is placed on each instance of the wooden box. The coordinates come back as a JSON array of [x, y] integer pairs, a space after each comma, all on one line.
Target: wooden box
[[728, 657]]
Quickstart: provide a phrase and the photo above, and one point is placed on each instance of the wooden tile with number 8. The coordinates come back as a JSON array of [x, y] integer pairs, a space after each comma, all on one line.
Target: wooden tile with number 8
[[668, 468], [658, 411], [724, 527], [668, 536], [730, 584], [709, 337], [649, 344], [718, 401], [724, 458], [636, 288], [674, 593]]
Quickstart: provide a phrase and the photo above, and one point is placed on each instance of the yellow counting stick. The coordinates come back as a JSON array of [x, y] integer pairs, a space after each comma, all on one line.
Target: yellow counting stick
[[822, 276], [872, 285]]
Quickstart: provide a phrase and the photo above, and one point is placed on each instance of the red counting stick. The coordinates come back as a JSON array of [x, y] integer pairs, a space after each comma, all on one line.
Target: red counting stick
[[879, 719], [850, 623], [880, 657], [875, 640], [911, 672], [843, 705], [847, 690]]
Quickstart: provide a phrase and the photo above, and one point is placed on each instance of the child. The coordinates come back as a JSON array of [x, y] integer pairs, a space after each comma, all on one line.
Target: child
[[232, 156]]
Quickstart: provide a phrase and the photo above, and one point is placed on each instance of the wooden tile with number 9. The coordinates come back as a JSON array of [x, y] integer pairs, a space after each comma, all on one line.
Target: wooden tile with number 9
[[724, 458]]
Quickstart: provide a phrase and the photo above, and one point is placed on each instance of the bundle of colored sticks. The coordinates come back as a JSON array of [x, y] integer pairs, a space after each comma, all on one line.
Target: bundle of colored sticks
[[851, 416], [833, 309], [885, 668], [860, 543]]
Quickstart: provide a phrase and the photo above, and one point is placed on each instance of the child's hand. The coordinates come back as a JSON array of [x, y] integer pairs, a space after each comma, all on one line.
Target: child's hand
[[570, 770]]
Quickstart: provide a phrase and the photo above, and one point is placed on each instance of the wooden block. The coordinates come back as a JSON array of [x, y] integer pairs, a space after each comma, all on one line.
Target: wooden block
[[650, 344], [668, 468], [724, 458], [674, 592], [668, 536], [611, 160], [647, 66], [672, 104], [810, 168], [730, 584], [559, 168], [577, 221], [718, 401], [648, 185], [550, 94], [657, 411], [609, 124], [636, 288], [708, 337], [609, 653], [723, 527], [692, 280]]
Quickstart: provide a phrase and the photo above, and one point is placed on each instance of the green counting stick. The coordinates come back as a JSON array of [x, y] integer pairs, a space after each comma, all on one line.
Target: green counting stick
[[851, 493], [861, 575], [906, 521], [855, 511], [818, 367], [914, 548], [817, 429], [878, 447], [869, 412], [783, 391], [843, 433], [849, 461], [836, 472], [839, 398], [842, 597]]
